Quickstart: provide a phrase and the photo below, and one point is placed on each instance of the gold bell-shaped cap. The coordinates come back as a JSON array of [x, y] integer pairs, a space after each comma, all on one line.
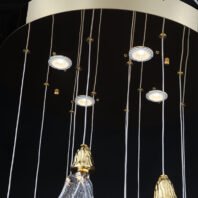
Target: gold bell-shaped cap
[[83, 160], [164, 188]]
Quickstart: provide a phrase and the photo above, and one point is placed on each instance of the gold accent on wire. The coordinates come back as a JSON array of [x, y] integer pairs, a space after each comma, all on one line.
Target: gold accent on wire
[[163, 35], [93, 93], [180, 73], [140, 89], [129, 62], [71, 111], [54, 53], [46, 84], [78, 68], [26, 51], [164, 188], [90, 40], [83, 160], [183, 104]]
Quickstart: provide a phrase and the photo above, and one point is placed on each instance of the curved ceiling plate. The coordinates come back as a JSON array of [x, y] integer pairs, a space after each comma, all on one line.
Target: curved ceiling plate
[[171, 9]]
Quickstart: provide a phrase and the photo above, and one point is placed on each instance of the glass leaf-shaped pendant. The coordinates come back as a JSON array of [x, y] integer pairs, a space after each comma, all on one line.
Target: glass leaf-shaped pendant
[[77, 185]]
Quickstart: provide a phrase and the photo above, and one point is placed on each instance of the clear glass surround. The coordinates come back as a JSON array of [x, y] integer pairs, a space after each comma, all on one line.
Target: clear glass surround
[[140, 54], [156, 96], [60, 62], [84, 101], [77, 185]]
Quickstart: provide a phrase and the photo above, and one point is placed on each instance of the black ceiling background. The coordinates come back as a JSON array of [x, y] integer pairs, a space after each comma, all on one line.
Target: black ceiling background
[[108, 145]]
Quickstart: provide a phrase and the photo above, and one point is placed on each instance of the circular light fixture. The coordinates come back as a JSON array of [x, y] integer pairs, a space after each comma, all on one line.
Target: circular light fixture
[[84, 101], [156, 96], [60, 62], [140, 54]]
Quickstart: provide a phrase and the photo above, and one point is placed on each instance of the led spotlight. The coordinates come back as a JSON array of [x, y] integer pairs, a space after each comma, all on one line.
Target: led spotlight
[[84, 101], [140, 54], [156, 96], [60, 62]]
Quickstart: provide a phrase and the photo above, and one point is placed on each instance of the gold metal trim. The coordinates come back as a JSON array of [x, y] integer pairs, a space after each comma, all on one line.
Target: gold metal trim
[[83, 159]]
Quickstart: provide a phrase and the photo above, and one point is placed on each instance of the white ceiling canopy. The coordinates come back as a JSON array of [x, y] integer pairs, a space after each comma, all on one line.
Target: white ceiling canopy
[[171, 9]]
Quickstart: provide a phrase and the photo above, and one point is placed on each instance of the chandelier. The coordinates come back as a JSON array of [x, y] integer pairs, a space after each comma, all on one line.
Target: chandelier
[[112, 74]]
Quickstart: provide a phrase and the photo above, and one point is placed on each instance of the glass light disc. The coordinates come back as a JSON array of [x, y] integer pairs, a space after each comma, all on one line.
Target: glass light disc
[[140, 54], [60, 62], [84, 101], [156, 96]]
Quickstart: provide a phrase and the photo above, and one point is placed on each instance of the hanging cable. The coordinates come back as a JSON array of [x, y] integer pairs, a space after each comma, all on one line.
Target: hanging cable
[[95, 79], [88, 72], [26, 51], [183, 111], [163, 89], [77, 80], [43, 111], [180, 73], [139, 112], [127, 105]]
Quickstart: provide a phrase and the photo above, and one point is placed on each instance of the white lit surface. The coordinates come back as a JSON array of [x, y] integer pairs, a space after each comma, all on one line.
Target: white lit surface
[[84, 101], [156, 96], [60, 62], [140, 54], [170, 9]]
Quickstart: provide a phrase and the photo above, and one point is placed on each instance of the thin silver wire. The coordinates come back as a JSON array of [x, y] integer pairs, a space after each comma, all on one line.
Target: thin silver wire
[[70, 128], [88, 74], [77, 80], [127, 106], [19, 111], [183, 110], [163, 102], [95, 79], [180, 109], [74, 92], [126, 130], [43, 111], [140, 112]]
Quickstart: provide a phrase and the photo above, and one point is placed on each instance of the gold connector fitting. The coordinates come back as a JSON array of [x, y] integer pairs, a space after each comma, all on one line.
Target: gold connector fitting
[[78, 68], [46, 84], [93, 93], [163, 35], [180, 73], [90, 40], [26, 51], [83, 161], [129, 62], [140, 89], [71, 111]]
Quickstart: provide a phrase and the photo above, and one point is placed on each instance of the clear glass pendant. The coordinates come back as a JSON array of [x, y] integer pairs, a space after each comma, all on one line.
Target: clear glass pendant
[[78, 184]]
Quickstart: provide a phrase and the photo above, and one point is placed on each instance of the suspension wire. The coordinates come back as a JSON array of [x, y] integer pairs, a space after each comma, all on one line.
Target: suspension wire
[[183, 109], [127, 105], [77, 80], [140, 112], [44, 108], [73, 98], [180, 109], [70, 128], [163, 89], [95, 79], [88, 73], [19, 111]]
